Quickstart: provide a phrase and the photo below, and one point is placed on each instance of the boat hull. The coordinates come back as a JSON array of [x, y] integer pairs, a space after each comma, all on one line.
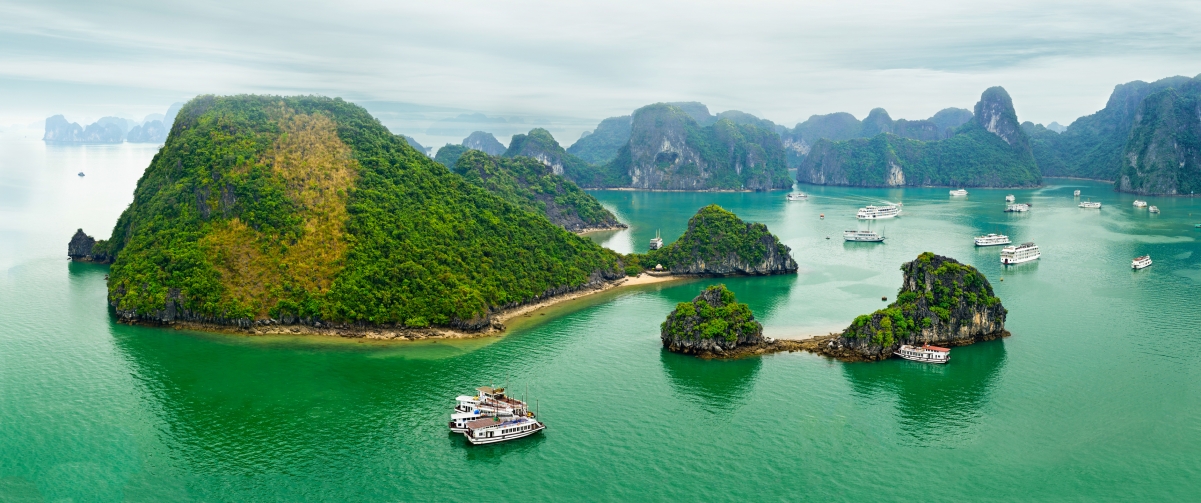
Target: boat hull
[[920, 359], [505, 438], [875, 217], [1009, 261], [994, 244]]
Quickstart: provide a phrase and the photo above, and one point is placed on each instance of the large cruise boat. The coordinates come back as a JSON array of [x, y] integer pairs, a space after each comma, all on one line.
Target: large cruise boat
[[1140, 204], [959, 192], [992, 240], [799, 196], [1017, 208], [1024, 252], [862, 236], [1153, 209], [878, 212], [1010, 198], [656, 242], [494, 429], [924, 353], [1076, 194], [1090, 205], [1142, 262]]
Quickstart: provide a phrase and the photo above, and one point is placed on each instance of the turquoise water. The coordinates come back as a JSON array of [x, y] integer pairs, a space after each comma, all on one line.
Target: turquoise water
[[1095, 397]]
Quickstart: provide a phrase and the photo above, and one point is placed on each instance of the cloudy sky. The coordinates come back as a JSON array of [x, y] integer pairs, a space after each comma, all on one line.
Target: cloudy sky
[[571, 63]]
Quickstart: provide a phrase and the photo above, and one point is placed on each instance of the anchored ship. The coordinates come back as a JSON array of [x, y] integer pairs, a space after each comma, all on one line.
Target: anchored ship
[[656, 242], [1090, 205], [924, 353], [1076, 194], [992, 240], [1140, 204], [798, 197], [862, 236], [1017, 208], [1142, 262], [1024, 252], [959, 192], [878, 212], [1153, 209], [1010, 198]]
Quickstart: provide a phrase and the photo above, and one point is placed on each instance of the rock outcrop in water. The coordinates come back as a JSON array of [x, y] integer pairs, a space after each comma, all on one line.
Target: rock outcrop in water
[[83, 248], [718, 243], [941, 302], [714, 323]]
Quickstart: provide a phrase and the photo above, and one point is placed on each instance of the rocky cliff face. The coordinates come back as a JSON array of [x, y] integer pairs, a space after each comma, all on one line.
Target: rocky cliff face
[[541, 145], [940, 302], [150, 132], [843, 126], [1163, 155], [718, 243], [82, 248], [601, 145], [59, 130], [484, 142], [994, 112], [669, 150], [991, 150], [713, 323]]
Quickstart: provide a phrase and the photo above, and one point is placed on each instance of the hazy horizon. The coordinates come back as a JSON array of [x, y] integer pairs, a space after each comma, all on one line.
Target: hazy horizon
[[566, 67]]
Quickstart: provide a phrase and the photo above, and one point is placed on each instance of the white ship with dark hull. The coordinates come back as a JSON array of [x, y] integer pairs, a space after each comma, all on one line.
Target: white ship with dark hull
[[495, 430], [798, 196], [1153, 209], [1142, 262], [992, 240], [1140, 204], [924, 353], [1090, 205], [959, 192], [1017, 208], [862, 237], [1076, 194], [1010, 198], [878, 212], [1024, 252]]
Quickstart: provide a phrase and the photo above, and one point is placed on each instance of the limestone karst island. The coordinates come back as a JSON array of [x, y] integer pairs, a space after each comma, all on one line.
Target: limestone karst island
[[532, 251]]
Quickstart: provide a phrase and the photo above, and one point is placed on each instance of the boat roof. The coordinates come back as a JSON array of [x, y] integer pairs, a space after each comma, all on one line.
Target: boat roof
[[490, 389], [935, 348]]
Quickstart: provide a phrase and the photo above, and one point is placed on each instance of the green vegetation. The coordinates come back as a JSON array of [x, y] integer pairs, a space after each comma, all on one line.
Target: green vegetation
[[307, 208], [724, 244], [531, 185], [449, 154], [973, 157], [724, 155], [944, 287], [714, 314], [1163, 155], [601, 145]]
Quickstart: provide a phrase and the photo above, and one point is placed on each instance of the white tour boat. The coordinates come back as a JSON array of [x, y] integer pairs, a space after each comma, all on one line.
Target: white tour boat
[[494, 429], [490, 400], [1024, 252], [924, 353], [992, 240], [656, 242], [1076, 194], [1153, 209], [798, 196], [878, 212], [959, 192], [862, 236], [1010, 198], [1142, 262], [1017, 208], [1090, 205], [459, 420], [1140, 204]]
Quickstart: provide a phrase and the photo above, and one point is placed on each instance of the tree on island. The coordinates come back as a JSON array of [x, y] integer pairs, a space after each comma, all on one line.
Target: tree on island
[[714, 322]]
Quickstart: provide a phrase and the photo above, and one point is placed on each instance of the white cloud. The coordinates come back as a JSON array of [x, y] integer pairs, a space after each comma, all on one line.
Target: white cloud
[[782, 60]]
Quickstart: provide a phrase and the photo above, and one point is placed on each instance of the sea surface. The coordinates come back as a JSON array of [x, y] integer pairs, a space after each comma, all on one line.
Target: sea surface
[[1095, 397]]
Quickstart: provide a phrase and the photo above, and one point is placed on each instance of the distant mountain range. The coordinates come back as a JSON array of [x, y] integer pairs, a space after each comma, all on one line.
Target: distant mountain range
[[1144, 140], [152, 129]]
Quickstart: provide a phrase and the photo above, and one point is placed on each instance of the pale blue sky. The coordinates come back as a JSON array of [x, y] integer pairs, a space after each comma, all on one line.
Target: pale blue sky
[[575, 63]]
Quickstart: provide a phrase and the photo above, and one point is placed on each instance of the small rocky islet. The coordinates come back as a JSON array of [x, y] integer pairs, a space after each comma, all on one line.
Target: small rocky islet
[[941, 301]]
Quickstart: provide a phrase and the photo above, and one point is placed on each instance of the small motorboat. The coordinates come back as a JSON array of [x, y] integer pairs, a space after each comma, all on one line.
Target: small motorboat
[[81, 174]]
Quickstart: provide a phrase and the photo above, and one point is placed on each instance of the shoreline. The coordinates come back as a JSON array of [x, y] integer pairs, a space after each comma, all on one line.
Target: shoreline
[[416, 334], [633, 189], [590, 230]]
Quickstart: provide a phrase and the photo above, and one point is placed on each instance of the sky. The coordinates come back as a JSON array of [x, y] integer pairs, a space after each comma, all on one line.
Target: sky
[[568, 64]]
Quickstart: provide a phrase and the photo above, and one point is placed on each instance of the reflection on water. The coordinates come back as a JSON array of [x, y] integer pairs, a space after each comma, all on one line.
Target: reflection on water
[[935, 403], [715, 385]]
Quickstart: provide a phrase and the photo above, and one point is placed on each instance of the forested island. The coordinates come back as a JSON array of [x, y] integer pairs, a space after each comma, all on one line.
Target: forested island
[[713, 324], [306, 211]]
